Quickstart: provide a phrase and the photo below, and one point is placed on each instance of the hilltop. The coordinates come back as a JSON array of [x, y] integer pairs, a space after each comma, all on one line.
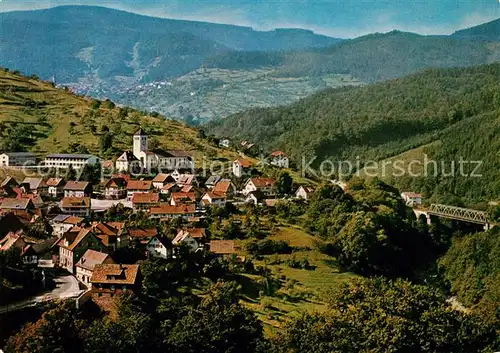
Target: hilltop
[[456, 107], [38, 117]]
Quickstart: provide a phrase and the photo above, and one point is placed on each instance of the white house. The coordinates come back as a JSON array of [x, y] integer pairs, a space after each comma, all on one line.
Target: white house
[[241, 167], [412, 199], [159, 248], [63, 223], [85, 266], [168, 160], [161, 180], [188, 238], [55, 187], [266, 186], [125, 162], [224, 143], [304, 192], [76, 206], [78, 189], [211, 198], [280, 159], [12, 159]]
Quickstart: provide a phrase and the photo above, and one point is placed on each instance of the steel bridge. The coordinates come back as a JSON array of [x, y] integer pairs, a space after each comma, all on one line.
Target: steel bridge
[[459, 213]]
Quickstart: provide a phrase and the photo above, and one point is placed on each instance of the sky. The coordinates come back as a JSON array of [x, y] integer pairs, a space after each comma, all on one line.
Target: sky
[[336, 18]]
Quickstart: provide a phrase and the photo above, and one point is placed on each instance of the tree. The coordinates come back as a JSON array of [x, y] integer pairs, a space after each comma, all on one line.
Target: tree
[[284, 183], [379, 315], [235, 328], [105, 141], [58, 330]]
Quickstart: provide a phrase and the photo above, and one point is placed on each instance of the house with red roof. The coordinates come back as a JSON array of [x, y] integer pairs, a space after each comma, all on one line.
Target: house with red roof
[[280, 159], [73, 244]]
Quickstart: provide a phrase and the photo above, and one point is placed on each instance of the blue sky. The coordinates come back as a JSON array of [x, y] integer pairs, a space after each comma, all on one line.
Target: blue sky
[[339, 18]]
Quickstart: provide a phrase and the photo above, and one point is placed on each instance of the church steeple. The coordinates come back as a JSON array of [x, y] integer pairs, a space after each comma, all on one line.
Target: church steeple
[[140, 143]]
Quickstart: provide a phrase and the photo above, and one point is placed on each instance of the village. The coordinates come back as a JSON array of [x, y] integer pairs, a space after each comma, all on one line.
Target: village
[[78, 228]]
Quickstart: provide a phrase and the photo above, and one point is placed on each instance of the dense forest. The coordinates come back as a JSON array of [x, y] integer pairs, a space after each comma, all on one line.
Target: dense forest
[[371, 58], [456, 107]]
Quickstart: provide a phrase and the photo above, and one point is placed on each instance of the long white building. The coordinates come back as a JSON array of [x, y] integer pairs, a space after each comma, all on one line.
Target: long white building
[[77, 161]]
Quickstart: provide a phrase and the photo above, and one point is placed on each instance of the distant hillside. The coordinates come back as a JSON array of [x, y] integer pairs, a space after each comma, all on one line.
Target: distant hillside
[[96, 43], [37, 117], [485, 31], [172, 66], [371, 58], [455, 106]]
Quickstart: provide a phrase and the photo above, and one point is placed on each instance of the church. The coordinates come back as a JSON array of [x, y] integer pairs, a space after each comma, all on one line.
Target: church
[[149, 159]]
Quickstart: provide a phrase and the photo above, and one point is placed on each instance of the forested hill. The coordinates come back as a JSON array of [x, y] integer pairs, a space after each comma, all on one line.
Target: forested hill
[[455, 106], [485, 31], [371, 58], [73, 42]]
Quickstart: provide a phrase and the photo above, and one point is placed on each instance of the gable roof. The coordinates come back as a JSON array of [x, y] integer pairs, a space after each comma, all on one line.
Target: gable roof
[[196, 233], [115, 274], [142, 233], [76, 185], [117, 182], [261, 182], [91, 258], [186, 179], [74, 236], [11, 239], [308, 189], [162, 177], [140, 132], [179, 196], [245, 163], [147, 197], [71, 202], [278, 153], [168, 209], [222, 247], [139, 185], [34, 183], [16, 204], [222, 187], [127, 156], [54, 181]]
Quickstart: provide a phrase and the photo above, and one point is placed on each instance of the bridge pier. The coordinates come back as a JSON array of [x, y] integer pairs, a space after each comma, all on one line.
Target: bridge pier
[[419, 213], [488, 226]]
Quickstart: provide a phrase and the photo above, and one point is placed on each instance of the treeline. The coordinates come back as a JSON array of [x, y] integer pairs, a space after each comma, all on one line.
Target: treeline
[[384, 120]]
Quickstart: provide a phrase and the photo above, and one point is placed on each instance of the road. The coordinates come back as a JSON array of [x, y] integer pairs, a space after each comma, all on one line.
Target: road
[[66, 287]]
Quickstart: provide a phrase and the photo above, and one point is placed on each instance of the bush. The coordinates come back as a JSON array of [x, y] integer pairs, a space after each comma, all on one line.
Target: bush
[[269, 247]]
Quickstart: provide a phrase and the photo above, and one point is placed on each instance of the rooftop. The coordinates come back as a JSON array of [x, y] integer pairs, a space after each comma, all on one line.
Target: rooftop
[[115, 274]]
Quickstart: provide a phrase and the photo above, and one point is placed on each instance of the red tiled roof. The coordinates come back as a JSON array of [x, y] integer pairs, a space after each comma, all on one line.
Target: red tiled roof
[[115, 274], [54, 182], [143, 233], [74, 236], [222, 187], [263, 182], [139, 185], [147, 198], [168, 209], [76, 185], [278, 153], [245, 163], [72, 202], [179, 196]]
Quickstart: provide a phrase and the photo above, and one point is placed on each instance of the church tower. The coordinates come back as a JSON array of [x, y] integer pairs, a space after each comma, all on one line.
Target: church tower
[[140, 143]]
